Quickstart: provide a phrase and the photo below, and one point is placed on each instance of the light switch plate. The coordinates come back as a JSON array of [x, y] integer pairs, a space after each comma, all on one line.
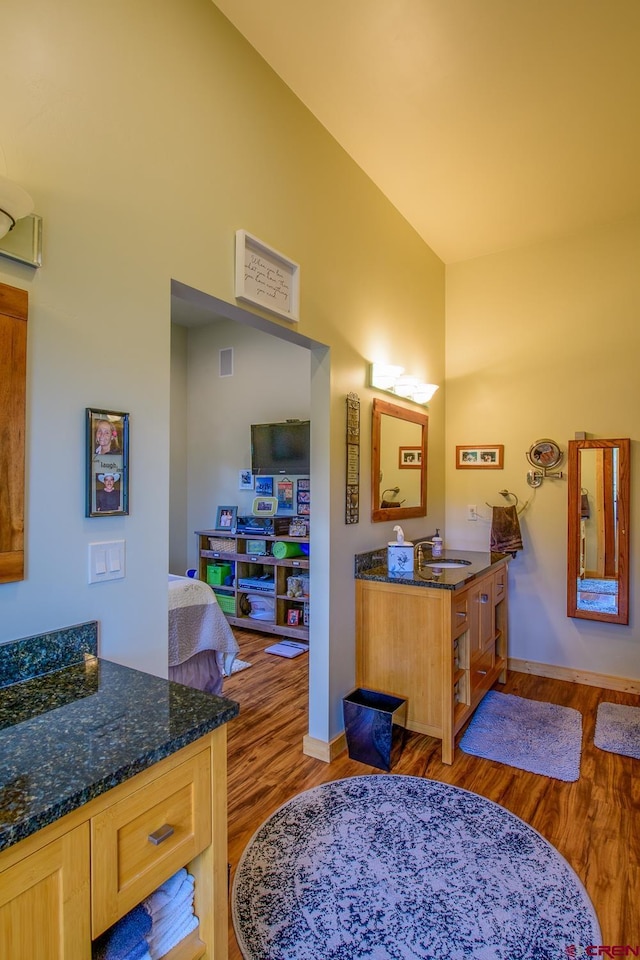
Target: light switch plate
[[106, 561]]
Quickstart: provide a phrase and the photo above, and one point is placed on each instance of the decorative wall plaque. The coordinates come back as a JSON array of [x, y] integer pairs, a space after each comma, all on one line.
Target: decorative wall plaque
[[352, 502]]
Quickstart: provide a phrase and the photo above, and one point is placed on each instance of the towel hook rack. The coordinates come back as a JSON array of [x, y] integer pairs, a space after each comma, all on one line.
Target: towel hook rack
[[507, 494]]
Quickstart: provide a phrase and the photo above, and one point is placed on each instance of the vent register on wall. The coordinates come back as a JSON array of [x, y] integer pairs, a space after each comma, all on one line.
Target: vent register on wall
[[259, 570]]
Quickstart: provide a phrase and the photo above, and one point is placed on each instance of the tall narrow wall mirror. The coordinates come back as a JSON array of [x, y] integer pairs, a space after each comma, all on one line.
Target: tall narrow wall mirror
[[398, 462], [598, 544]]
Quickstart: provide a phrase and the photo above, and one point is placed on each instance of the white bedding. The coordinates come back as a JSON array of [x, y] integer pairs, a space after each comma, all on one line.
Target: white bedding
[[196, 622]]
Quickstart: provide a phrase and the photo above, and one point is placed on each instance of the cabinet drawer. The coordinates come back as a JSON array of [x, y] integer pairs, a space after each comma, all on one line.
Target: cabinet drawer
[[500, 585], [140, 841], [481, 670], [460, 614]]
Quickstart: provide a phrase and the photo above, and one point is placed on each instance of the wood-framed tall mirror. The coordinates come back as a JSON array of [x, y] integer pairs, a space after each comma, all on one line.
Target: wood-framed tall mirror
[[598, 537], [398, 462]]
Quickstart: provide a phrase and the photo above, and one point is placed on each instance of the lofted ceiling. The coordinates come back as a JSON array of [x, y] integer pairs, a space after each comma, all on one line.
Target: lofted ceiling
[[489, 124]]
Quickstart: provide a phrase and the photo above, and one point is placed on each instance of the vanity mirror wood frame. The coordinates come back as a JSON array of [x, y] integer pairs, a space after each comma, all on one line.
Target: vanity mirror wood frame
[[381, 408], [608, 507], [13, 380]]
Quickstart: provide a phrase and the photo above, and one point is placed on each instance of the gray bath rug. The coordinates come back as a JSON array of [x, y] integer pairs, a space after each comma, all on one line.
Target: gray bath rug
[[618, 729], [539, 737]]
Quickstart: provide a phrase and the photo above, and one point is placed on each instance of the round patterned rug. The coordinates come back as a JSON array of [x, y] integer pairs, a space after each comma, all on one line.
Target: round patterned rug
[[397, 868]]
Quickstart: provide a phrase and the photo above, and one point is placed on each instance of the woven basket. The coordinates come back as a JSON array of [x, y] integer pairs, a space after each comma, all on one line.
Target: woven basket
[[222, 544]]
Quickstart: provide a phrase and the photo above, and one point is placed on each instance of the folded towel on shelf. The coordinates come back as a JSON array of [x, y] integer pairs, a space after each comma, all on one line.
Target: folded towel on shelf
[[159, 946], [505, 530], [165, 893], [126, 936], [141, 952], [173, 918], [182, 899]]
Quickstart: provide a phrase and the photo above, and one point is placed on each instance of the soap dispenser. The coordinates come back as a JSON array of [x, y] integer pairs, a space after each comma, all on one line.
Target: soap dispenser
[[436, 545], [399, 555]]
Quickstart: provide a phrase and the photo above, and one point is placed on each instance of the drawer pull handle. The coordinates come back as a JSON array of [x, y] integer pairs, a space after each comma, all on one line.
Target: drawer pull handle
[[160, 835], [459, 613], [482, 673], [484, 598]]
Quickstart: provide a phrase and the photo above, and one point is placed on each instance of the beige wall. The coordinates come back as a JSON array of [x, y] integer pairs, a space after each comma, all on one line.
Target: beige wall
[[544, 342], [148, 133]]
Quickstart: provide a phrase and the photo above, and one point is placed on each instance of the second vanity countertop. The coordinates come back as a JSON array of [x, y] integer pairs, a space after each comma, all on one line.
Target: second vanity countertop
[[75, 733], [373, 566]]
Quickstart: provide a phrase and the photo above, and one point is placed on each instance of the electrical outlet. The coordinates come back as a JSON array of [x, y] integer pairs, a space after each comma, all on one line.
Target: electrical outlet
[[471, 512]]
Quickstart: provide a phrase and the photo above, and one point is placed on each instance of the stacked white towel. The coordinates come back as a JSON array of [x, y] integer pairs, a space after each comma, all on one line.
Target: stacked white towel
[[171, 910]]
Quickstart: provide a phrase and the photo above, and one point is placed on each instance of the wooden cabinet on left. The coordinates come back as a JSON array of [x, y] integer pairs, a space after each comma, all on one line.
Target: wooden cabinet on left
[[45, 903], [13, 387], [86, 864]]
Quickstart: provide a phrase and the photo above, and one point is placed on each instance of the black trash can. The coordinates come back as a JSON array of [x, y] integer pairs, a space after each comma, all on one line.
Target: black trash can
[[375, 727]]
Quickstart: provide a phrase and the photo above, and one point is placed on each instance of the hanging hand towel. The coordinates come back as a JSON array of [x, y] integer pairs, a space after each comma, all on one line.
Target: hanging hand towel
[[505, 530], [585, 512]]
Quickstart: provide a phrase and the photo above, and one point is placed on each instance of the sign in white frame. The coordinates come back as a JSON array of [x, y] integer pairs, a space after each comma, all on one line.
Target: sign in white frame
[[266, 277]]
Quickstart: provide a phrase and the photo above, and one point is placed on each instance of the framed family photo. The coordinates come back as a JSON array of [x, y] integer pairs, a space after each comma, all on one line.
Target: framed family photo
[[107, 459], [226, 519], [480, 458]]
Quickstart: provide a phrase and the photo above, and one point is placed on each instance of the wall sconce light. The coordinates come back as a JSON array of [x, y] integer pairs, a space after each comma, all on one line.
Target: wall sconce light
[[392, 379], [20, 229]]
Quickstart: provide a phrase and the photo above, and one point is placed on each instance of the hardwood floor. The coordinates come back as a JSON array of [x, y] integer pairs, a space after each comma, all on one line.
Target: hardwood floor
[[594, 823]]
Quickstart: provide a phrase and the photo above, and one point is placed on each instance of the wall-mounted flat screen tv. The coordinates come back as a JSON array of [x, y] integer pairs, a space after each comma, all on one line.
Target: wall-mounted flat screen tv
[[280, 448]]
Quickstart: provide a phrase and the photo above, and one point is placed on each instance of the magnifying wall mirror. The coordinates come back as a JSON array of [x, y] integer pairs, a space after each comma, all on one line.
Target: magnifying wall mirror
[[598, 547], [398, 462]]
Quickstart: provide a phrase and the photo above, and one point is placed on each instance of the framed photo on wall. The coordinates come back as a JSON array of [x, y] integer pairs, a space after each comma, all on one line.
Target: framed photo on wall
[[409, 458], [264, 486], [107, 459], [480, 458]]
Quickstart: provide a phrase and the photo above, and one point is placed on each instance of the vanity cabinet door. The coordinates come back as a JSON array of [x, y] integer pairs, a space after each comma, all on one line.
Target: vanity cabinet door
[[481, 636], [481, 617], [44, 902]]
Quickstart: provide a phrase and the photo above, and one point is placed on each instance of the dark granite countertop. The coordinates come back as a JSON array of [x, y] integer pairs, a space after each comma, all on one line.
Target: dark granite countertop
[[373, 566], [74, 733]]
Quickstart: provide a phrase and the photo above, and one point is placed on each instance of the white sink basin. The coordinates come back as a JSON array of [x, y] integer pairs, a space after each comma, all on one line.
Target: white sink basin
[[448, 563]]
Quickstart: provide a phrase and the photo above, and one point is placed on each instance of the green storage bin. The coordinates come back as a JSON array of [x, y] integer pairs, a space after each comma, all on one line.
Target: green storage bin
[[217, 573], [226, 603]]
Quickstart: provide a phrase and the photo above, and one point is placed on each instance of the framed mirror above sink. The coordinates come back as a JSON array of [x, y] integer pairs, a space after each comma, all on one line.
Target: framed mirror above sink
[[598, 530], [398, 462]]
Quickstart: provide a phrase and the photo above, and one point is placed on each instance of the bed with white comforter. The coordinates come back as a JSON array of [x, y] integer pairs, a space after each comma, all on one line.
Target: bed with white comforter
[[201, 642]]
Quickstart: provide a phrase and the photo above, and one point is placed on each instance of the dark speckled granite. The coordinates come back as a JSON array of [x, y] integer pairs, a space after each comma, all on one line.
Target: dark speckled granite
[[373, 566], [69, 736], [32, 656]]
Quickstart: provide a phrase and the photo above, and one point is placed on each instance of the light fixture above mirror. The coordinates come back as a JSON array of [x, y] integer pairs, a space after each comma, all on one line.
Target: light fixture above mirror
[[393, 379], [15, 203], [20, 229]]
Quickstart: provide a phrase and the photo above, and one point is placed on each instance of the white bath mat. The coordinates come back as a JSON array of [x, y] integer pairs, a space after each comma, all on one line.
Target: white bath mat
[[288, 648]]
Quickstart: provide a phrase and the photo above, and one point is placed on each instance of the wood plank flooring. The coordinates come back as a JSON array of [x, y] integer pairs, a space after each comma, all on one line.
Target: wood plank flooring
[[594, 823]]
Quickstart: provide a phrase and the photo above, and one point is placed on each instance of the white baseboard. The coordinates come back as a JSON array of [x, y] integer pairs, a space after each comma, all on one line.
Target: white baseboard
[[621, 684], [321, 750]]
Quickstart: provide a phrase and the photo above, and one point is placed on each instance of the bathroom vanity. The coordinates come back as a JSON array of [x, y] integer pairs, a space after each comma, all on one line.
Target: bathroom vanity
[[436, 636], [111, 780]]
